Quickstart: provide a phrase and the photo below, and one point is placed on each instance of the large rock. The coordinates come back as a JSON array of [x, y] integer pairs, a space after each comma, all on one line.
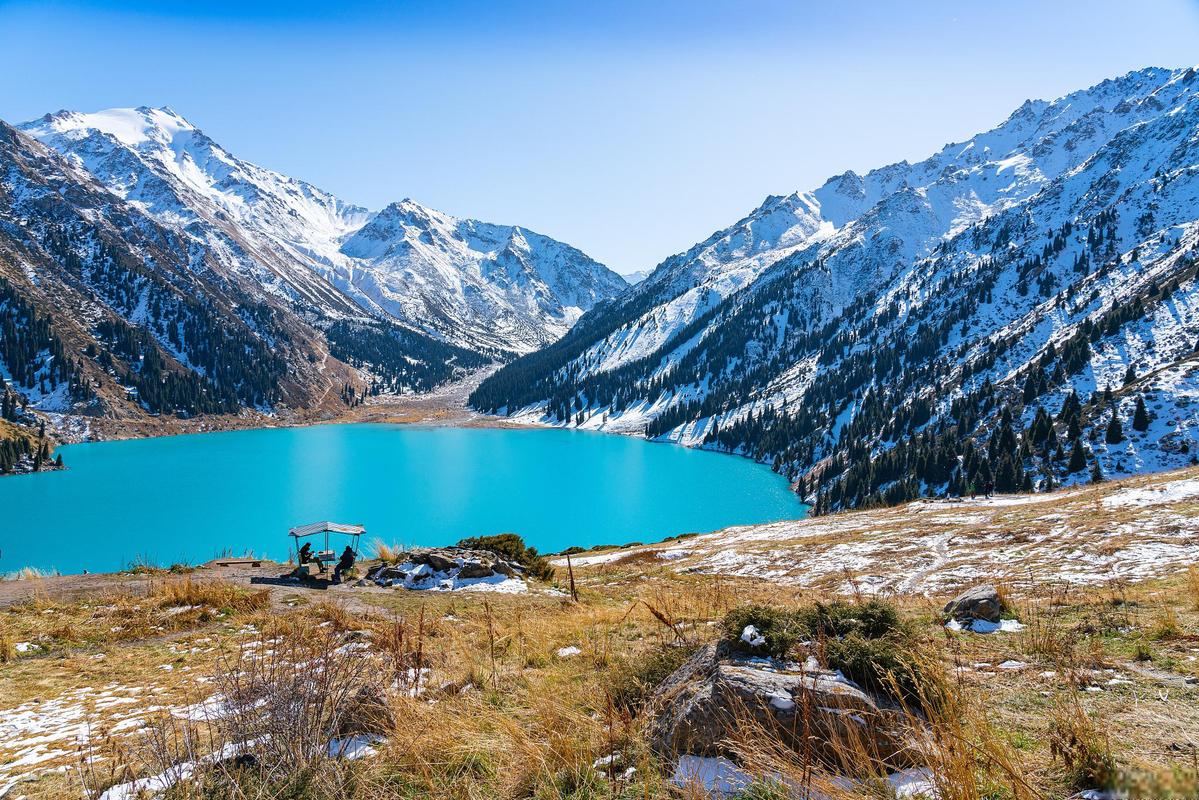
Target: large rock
[[475, 569], [438, 561], [703, 703], [979, 602]]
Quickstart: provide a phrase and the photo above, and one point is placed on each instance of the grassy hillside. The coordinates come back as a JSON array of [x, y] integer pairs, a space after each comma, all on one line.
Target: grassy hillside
[[470, 695]]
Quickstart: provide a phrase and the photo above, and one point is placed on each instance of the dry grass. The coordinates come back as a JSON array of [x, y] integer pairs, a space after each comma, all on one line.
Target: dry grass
[[474, 701], [385, 551], [164, 606], [28, 574], [224, 597]]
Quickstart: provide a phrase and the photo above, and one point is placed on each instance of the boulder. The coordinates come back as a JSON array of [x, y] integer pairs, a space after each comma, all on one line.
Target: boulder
[[979, 602], [698, 708], [386, 574], [475, 569], [438, 561]]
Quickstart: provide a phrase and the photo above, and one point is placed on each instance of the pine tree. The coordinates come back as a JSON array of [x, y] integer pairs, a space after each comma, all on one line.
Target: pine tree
[[1115, 433], [1140, 418], [1078, 458], [1096, 471], [1130, 375]]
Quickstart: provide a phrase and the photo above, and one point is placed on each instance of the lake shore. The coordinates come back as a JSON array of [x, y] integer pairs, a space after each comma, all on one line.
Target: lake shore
[[446, 406]]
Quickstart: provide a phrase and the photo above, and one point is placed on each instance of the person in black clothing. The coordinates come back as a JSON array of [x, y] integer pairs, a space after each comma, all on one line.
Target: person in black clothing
[[306, 553], [989, 489], [344, 564]]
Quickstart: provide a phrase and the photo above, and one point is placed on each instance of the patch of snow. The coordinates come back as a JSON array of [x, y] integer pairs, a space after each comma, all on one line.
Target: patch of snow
[[751, 636], [1154, 495]]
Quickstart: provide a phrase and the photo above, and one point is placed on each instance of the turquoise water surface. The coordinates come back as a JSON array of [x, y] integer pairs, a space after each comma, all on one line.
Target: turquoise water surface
[[191, 498]]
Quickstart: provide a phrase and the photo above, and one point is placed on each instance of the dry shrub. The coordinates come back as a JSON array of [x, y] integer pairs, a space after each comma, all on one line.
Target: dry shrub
[[8, 648], [29, 574], [216, 594], [386, 552], [1082, 748], [1193, 585], [1167, 625]]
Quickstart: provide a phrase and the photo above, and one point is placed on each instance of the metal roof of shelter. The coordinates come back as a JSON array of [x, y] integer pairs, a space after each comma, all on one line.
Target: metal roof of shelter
[[314, 528]]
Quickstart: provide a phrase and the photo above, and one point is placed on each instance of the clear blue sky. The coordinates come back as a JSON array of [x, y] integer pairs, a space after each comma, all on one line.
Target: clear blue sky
[[629, 129]]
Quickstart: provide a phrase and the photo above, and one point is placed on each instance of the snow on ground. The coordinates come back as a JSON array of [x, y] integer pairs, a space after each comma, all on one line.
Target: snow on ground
[[423, 578], [720, 777], [45, 735], [1130, 530], [1169, 493]]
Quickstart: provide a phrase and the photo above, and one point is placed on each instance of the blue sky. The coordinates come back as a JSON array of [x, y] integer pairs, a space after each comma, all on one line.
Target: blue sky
[[629, 129]]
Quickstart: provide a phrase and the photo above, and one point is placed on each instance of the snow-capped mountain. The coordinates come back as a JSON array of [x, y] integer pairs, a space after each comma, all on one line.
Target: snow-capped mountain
[[896, 333], [107, 313], [473, 282], [487, 287]]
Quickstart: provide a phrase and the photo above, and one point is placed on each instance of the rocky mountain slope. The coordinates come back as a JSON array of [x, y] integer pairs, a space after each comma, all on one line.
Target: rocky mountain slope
[[487, 287], [482, 285], [106, 312], [979, 317]]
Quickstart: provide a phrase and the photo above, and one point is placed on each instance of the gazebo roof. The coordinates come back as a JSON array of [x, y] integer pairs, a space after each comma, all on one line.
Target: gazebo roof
[[313, 528]]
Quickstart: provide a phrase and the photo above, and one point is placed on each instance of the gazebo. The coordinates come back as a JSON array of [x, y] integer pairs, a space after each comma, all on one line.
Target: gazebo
[[326, 555]]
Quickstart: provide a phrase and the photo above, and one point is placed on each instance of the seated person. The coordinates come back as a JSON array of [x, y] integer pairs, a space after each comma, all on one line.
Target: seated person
[[344, 564], [306, 553]]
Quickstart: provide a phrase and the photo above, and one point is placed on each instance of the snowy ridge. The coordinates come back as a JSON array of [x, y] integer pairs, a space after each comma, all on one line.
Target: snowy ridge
[[483, 286], [473, 281], [1061, 242]]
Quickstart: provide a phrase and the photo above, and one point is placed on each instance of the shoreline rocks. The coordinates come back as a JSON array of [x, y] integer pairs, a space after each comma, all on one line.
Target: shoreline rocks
[[447, 568]]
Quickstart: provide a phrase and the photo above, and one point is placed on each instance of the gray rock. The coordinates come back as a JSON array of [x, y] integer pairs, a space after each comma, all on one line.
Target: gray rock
[[436, 560], [702, 704], [475, 569], [978, 602]]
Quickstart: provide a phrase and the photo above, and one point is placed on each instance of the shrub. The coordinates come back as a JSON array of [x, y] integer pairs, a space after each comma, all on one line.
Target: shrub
[[217, 594], [512, 547], [867, 642], [780, 629], [885, 665], [631, 683], [873, 619], [1082, 749]]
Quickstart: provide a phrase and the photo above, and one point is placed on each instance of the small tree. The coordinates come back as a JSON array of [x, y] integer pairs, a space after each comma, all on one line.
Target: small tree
[[1078, 458], [1115, 432], [1096, 471], [1140, 418]]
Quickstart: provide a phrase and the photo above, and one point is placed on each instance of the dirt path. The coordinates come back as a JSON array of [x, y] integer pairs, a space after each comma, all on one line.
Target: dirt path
[[267, 575]]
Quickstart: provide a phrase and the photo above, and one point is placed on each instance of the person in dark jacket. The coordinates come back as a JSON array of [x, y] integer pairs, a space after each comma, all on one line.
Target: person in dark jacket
[[306, 553], [344, 564]]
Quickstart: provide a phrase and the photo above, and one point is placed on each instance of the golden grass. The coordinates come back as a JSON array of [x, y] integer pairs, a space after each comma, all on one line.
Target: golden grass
[[213, 594], [28, 574], [500, 715], [384, 551]]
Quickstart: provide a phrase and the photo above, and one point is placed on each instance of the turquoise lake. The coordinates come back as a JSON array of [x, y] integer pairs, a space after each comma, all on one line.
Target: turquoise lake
[[191, 498]]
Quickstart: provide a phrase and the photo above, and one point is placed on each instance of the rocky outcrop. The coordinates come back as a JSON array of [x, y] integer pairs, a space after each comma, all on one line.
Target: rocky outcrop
[[979, 602], [448, 567], [815, 711]]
